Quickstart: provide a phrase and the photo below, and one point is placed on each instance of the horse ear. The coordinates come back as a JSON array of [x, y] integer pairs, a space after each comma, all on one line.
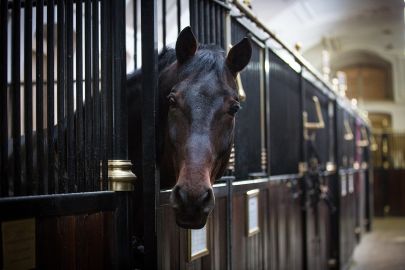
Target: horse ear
[[186, 45], [239, 56]]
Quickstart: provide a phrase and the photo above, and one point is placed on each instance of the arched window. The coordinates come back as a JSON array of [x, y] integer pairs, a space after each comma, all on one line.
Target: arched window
[[369, 77]]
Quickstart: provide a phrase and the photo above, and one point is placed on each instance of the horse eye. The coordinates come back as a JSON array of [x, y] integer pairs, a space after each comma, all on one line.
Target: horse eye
[[172, 99], [234, 109]]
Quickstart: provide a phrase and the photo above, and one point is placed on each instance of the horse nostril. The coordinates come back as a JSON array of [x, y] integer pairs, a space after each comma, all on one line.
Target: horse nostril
[[179, 197], [207, 201]]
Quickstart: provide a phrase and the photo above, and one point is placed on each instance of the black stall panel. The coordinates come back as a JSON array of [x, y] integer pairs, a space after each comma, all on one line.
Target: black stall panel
[[249, 133], [207, 19], [318, 140], [285, 115]]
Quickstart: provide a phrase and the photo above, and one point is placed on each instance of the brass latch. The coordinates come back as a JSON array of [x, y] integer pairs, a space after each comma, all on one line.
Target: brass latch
[[364, 138], [349, 133], [313, 125]]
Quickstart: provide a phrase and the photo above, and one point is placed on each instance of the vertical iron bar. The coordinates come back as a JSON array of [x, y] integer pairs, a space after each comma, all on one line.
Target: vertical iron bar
[[96, 96], [149, 97], [106, 124], [218, 28], [4, 186], [29, 183], [164, 22], [222, 27], [229, 210], [212, 22], [303, 186], [178, 16], [50, 95], [61, 145], [40, 95], [193, 16], [71, 155], [207, 20], [136, 30], [79, 97], [120, 149], [88, 103], [200, 12], [16, 95], [120, 127]]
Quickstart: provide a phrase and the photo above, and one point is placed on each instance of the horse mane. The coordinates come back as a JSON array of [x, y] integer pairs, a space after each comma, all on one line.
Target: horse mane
[[209, 57]]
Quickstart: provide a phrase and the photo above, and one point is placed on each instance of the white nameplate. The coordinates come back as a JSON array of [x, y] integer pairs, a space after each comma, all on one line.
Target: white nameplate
[[343, 182], [197, 243], [351, 183], [252, 212]]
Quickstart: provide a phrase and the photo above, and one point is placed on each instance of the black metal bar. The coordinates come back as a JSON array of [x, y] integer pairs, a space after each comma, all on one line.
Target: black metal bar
[[164, 22], [96, 96], [57, 205], [222, 27], [193, 16], [40, 181], [212, 23], [120, 115], [120, 128], [123, 221], [29, 183], [106, 123], [178, 16], [207, 20], [149, 97], [200, 12], [71, 155], [218, 26], [79, 98], [16, 94], [88, 104], [61, 52], [136, 30], [50, 95], [229, 209], [4, 185], [303, 187]]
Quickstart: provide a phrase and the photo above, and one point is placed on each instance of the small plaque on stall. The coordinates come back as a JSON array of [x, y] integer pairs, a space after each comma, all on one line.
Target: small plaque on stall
[[351, 183], [18, 244], [252, 207], [343, 182], [197, 243]]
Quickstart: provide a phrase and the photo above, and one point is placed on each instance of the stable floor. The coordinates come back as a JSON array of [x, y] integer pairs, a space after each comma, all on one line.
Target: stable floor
[[382, 249]]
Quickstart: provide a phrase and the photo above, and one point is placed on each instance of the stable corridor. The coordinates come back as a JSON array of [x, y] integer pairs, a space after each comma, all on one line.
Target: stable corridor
[[383, 248]]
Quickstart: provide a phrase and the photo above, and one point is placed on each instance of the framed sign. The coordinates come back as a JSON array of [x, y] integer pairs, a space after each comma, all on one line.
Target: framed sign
[[197, 243], [343, 183], [18, 244], [351, 183], [252, 212]]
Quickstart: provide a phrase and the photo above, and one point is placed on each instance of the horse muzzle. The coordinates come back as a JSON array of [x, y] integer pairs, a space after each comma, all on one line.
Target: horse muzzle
[[192, 210]]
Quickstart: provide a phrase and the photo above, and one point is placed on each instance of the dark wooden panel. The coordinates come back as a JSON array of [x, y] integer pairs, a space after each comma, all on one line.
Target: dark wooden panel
[[250, 252], [379, 187], [75, 242], [172, 244], [389, 187]]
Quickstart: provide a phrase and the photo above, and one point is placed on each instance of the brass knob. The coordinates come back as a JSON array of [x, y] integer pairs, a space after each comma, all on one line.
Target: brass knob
[[120, 176]]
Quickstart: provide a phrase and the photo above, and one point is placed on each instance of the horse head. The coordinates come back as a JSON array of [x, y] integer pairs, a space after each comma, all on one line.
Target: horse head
[[201, 100]]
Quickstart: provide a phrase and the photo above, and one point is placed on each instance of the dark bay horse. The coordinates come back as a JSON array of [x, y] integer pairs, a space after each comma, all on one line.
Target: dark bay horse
[[198, 100]]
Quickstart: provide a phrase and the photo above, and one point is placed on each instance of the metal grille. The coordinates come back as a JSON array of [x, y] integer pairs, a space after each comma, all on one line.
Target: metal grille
[[320, 146], [285, 132], [62, 94], [248, 133]]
